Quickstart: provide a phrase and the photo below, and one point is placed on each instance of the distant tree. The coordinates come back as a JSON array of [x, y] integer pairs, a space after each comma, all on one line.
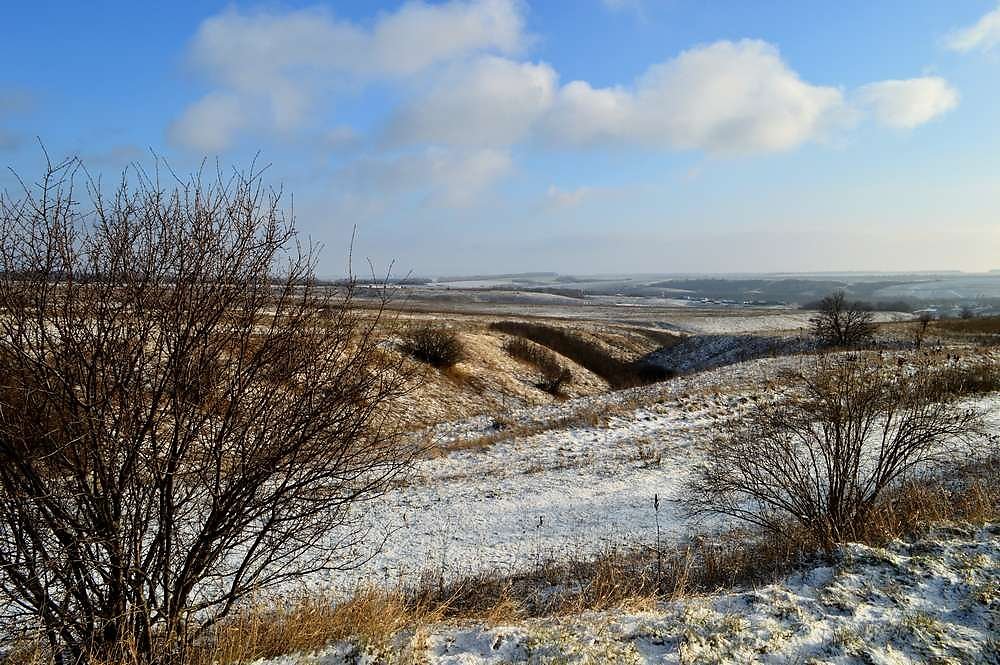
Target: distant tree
[[841, 323], [920, 331], [968, 312]]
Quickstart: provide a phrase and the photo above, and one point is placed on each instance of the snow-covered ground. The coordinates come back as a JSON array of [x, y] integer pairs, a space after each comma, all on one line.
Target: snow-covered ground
[[933, 601], [577, 488]]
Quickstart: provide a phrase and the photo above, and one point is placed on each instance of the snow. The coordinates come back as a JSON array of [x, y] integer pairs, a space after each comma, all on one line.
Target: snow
[[933, 600], [578, 488], [701, 352]]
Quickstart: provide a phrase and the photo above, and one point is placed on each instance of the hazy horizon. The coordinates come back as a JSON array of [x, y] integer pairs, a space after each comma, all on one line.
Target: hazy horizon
[[499, 136]]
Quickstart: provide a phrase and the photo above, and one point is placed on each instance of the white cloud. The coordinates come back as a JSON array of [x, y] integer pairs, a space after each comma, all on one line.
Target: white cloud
[[726, 97], [210, 124], [491, 101], [908, 103], [444, 177], [583, 115], [984, 35], [419, 35], [561, 199], [341, 137], [282, 61]]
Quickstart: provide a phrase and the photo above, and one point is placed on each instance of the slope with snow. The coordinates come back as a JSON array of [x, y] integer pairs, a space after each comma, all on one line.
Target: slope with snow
[[936, 600]]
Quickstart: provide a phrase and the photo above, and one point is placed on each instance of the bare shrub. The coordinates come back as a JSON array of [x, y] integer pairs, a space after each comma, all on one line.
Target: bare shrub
[[825, 457], [434, 345], [920, 328], [841, 323], [554, 374], [185, 417]]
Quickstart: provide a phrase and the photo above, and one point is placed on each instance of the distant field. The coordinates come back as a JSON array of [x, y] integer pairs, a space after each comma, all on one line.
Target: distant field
[[987, 325]]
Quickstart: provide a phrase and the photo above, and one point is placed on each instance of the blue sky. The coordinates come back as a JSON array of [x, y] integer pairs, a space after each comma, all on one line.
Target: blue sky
[[585, 136]]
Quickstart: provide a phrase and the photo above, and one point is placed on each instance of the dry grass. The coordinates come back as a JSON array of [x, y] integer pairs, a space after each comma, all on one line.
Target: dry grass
[[975, 378], [640, 577], [617, 372], [986, 325], [982, 331], [371, 619], [554, 375]]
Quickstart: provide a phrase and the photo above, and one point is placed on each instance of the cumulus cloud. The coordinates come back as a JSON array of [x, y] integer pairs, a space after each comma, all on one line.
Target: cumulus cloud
[[210, 124], [419, 35], [444, 177], [283, 61], [908, 103], [492, 101], [984, 35], [467, 100], [583, 115], [726, 97], [561, 199]]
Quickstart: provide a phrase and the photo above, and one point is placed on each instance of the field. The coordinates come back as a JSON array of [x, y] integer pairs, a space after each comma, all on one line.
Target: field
[[524, 481], [527, 528]]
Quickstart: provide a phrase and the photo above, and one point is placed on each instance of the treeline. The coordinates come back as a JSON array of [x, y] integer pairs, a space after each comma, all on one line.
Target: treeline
[[866, 306]]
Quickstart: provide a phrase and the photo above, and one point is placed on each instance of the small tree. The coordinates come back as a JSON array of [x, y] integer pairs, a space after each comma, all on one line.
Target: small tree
[[186, 419], [920, 328], [826, 456], [841, 323]]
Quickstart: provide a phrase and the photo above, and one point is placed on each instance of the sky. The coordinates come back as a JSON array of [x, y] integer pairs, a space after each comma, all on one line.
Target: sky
[[577, 136]]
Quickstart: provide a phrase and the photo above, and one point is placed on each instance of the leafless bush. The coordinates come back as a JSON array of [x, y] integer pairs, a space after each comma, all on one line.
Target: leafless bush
[[554, 374], [185, 419], [920, 328], [841, 323], [827, 456], [434, 345]]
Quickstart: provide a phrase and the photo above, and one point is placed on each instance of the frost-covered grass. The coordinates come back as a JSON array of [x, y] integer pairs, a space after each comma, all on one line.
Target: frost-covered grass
[[936, 600]]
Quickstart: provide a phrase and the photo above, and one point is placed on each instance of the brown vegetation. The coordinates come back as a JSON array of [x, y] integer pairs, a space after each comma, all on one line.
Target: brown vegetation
[[185, 417], [826, 458], [982, 330], [618, 373], [433, 344], [841, 323], [554, 375]]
